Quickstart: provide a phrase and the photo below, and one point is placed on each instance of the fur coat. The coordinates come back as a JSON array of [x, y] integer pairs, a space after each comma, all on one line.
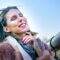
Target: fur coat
[[8, 53]]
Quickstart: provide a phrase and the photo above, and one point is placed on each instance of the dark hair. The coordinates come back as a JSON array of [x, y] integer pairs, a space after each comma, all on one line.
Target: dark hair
[[3, 13], [3, 22]]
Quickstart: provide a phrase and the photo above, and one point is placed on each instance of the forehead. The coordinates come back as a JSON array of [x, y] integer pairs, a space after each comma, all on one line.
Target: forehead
[[12, 12]]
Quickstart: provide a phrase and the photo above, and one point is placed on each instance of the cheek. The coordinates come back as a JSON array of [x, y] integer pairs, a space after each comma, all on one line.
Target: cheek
[[25, 20], [12, 26]]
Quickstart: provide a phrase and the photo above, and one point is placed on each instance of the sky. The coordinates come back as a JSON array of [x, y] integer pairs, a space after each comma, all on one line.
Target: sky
[[43, 15]]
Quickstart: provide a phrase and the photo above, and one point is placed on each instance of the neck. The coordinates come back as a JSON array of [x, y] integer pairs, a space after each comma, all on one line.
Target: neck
[[18, 35]]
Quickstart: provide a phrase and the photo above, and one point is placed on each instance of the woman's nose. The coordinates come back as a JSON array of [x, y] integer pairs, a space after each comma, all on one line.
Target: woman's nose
[[20, 20]]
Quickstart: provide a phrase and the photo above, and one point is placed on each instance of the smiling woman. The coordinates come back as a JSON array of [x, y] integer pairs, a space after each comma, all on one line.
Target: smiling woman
[[17, 33]]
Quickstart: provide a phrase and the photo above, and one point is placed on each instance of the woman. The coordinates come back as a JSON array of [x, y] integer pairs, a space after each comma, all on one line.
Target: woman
[[16, 32]]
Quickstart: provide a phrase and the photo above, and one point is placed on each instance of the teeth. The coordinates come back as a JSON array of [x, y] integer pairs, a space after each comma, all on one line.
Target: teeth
[[21, 25]]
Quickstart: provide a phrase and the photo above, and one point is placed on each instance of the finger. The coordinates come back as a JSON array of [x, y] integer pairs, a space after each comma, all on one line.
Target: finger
[[27, 40], [28, 33], [24, 38]]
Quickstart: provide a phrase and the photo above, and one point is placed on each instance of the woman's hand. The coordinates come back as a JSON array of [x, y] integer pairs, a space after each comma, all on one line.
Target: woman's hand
[[28, 38]]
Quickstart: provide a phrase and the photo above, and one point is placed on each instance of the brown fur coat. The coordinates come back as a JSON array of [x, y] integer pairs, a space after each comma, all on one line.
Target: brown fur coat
[[8, 53]]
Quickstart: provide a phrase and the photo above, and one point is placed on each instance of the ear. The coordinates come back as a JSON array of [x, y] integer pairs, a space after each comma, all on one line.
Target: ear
[[6, 29]]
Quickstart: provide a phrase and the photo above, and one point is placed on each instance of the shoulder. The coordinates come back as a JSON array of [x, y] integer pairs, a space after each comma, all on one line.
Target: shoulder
[[5, 47], [9, 52]]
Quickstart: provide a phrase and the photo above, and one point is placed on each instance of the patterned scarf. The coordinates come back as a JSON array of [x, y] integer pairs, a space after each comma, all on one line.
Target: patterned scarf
[[28, 48]]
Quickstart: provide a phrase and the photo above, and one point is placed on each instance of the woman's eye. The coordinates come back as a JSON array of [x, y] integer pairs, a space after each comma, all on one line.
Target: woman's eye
[[14, 18], [20, 14]]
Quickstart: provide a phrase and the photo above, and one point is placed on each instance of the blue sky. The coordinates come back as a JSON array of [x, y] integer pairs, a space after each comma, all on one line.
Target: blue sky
[[43, 15]]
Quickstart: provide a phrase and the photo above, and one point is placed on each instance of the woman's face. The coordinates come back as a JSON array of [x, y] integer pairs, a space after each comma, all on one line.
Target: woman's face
[[16, 22]]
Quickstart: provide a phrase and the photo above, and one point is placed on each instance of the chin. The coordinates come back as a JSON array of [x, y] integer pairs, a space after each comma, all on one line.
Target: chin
[[25, 30]]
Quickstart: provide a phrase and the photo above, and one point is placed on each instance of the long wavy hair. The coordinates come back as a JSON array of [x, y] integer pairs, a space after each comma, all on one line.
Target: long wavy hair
[[3, 23]]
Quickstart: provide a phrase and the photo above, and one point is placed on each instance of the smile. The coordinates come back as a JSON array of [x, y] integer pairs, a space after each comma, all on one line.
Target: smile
[[22, 25]]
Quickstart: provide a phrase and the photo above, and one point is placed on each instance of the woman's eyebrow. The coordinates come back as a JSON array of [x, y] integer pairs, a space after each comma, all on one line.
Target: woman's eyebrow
[[20, 14]]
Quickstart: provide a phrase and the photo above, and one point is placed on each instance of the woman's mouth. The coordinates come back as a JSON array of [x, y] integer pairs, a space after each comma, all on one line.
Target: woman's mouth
[[22, 25]]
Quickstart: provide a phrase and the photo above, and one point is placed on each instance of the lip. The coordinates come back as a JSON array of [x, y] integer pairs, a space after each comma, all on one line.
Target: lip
[[22, 25]]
